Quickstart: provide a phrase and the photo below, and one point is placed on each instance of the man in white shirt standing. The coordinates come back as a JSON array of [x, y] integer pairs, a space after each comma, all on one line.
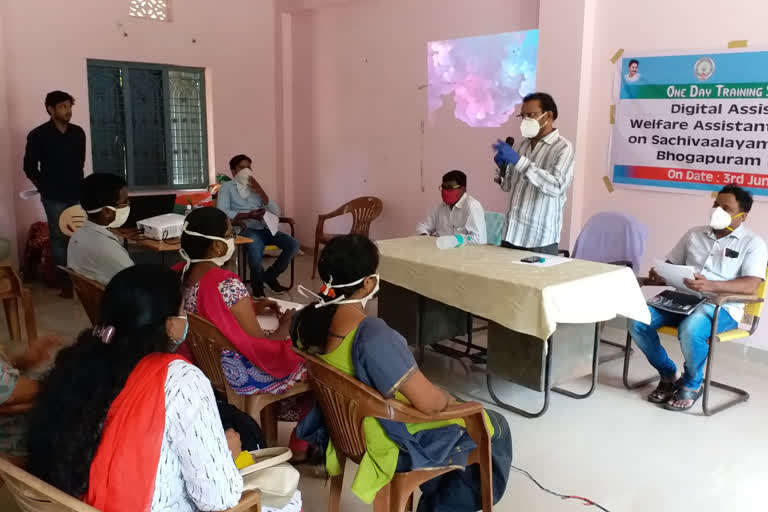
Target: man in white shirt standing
[[94, 251], [537, 173], [729, 259], [458, 213]]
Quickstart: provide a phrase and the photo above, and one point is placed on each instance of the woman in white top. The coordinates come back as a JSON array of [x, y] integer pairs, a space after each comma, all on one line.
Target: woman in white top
[[122, 421]]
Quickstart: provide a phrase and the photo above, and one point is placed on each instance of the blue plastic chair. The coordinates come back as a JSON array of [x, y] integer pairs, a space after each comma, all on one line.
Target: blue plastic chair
[[494, 224]]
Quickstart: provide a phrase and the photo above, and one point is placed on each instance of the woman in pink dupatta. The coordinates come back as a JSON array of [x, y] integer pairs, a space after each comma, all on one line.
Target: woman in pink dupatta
[[261, 364]]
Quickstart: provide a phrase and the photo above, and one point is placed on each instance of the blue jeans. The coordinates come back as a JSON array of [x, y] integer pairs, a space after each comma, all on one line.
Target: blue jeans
[[693, 332], [288, 246], [53, 210]]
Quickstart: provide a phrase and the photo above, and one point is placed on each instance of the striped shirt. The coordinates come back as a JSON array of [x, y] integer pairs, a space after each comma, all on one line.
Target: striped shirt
[[538, 184]]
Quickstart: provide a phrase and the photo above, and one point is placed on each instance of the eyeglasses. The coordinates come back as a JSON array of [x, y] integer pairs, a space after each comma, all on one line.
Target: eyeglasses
[[448, 187], [529, 115]]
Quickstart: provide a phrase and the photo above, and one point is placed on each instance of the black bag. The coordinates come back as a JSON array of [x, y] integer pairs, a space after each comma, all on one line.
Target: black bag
[[251, 436]]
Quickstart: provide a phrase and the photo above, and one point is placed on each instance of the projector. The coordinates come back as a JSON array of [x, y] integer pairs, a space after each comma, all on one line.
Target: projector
[[162, 227]]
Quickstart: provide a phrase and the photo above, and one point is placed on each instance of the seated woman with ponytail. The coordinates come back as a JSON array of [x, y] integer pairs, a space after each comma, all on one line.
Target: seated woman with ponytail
[[336, 329], [261, 364], [126, 425]]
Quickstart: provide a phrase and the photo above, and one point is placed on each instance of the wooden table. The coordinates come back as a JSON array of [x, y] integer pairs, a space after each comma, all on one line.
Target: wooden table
[[173, 244]]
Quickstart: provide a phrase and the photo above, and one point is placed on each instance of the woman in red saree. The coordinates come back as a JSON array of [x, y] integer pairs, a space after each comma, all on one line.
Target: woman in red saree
[[261, 364]]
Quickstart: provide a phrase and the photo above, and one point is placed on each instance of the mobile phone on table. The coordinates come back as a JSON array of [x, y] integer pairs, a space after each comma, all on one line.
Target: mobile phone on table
[[533, 259]]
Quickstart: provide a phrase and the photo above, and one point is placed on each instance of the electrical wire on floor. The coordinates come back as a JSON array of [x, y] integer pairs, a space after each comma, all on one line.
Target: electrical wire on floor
[[588, 502]]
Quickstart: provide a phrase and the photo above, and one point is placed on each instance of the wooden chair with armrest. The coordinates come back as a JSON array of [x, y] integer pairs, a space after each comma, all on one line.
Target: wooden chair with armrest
[[33, 495], [16, 298], [753, 309], [345, 402], [364, 211], [207, 343], [292, 224], [89, 292]]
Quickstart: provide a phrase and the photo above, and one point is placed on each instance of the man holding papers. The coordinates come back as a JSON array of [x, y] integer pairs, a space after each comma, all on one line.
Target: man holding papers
[[728, 259], [247, 204]]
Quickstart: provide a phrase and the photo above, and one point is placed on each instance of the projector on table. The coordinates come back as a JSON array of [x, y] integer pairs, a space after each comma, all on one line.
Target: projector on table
[[162, 227]]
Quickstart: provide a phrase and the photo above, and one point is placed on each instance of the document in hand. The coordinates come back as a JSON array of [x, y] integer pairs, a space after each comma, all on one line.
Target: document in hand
[[674, 275], [270, 323], [272, 221]]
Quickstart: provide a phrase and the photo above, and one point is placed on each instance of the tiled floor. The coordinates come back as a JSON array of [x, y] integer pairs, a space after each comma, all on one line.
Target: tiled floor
[[616, 448]]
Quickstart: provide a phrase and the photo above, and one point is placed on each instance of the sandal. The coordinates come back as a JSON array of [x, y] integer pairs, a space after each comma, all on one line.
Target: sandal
[[663, 392], [682, 393]]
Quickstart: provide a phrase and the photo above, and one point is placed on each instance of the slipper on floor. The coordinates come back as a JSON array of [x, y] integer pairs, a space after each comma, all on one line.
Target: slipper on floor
[[682, 393], [667, 389]]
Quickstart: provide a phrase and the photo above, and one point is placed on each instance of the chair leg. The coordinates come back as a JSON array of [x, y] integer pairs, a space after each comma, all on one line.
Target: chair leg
[[625, 375], [337, 484], [314, 258], [268, 417], [741, 395], [383, 502]]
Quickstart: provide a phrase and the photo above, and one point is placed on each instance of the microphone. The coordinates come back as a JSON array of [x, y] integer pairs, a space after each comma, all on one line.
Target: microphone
[[503, 170]]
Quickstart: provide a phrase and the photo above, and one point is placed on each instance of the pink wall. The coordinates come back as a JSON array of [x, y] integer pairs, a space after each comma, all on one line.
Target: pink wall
[[357, 108], [46, 45]]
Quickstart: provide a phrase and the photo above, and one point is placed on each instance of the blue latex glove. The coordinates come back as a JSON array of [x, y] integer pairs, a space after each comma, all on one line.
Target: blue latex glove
[[505, 152], [499, 161]]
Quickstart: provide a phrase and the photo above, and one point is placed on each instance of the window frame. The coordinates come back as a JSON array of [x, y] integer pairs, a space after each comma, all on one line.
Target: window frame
[[164, 68]]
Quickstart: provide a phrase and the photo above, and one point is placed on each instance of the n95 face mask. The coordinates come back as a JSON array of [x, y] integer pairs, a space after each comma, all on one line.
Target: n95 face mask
[[530, 127]]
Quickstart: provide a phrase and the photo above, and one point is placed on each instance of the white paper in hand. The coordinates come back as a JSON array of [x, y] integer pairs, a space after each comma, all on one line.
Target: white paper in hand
[[272, 221], [674, 275], [270, 323]]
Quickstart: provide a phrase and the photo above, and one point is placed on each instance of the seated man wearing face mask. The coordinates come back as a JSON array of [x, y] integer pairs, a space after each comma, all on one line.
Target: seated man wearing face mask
[[458, 213], [94, 251], [245, 202], [537, 173], [729, 259]]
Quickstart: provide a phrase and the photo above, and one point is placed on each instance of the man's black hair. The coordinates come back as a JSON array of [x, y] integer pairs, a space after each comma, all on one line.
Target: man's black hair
[[101, 189], [459, 177], [743, 197], [237, 159], [547, 102], [53, 98]]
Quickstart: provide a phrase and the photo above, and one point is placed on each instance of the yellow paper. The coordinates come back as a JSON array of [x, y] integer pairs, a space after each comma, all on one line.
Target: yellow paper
[[608, 184], [617, 55], [739, 43]]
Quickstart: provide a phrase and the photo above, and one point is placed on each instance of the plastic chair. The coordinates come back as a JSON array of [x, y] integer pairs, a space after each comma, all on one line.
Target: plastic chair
[[89, 292], [495, 223], [15, 298], [612, 237], [71, 220], [345, 402], [206, 343], [33, 495], [364, 211], [752, 310]]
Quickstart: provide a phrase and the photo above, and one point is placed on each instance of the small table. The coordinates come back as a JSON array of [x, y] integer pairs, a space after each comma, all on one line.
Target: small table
[[171, 244], [525, 304]]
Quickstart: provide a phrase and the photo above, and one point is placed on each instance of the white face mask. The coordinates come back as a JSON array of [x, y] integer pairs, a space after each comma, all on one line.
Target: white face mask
[[221, 260], [121, 215], [530, 127], [242, 179], [342, 298], [720, 219]]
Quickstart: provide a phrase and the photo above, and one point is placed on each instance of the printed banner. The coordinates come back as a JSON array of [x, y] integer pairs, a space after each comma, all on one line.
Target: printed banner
[[694, 122]]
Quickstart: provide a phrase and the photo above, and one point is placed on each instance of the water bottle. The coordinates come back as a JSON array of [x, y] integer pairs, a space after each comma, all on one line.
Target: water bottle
[[450, 241]]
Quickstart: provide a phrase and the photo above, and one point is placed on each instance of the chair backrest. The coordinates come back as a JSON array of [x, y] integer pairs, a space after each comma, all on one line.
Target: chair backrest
[[71, 220], [89, 292], [345, 402], [755, 309], [33, 495], [364, 210], [610, 237], [206, 343], [494, 225]]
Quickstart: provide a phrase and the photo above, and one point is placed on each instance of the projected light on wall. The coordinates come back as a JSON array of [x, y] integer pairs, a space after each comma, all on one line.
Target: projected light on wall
[[487, 76]]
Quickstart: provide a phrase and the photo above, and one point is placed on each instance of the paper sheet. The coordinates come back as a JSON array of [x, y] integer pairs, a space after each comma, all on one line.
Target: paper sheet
[[674, 275], [270, 323], [272, 221]]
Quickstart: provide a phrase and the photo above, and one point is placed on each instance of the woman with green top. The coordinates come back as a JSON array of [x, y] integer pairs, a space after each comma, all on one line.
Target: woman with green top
[[336, 329]]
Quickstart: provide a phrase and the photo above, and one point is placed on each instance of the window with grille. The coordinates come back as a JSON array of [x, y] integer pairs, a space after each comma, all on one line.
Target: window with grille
[[148, 123]]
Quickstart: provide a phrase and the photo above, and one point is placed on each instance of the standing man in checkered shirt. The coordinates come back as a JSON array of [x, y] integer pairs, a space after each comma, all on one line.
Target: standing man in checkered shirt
[[537, 173]]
